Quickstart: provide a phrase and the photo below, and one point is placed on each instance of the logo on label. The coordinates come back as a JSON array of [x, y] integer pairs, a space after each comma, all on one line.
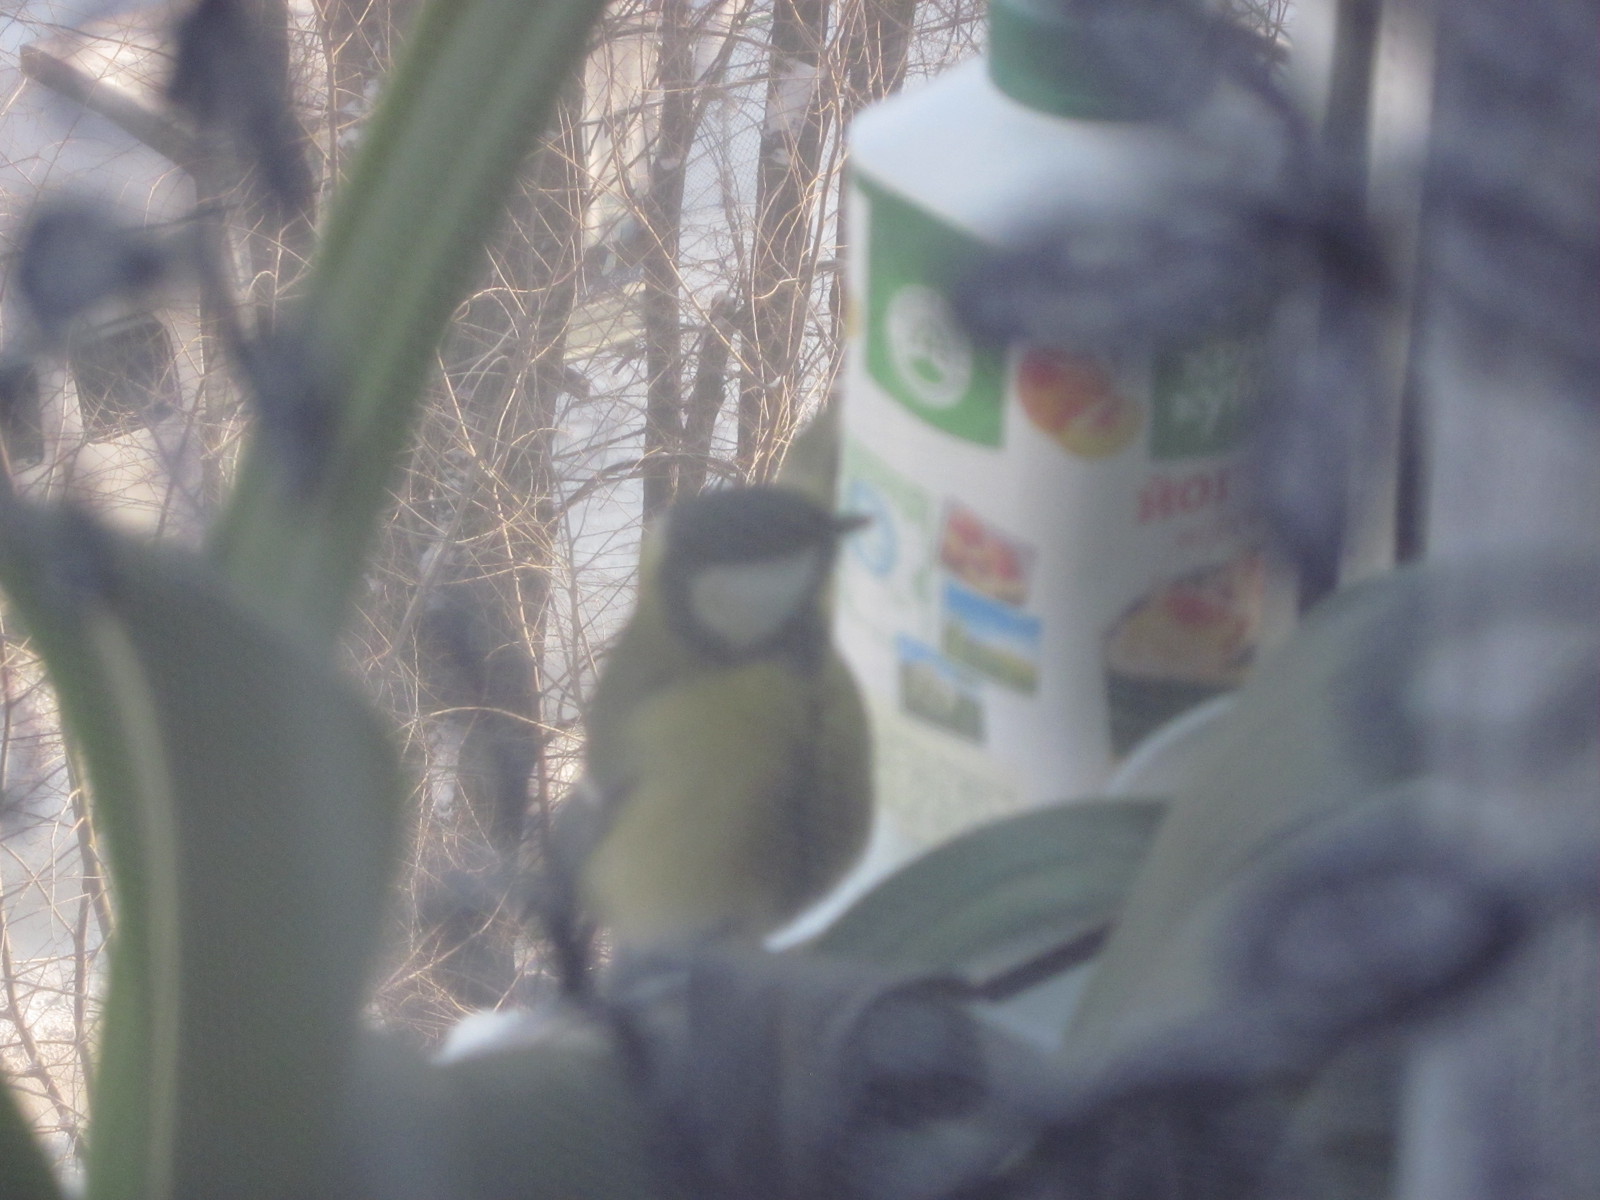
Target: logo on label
[[875, 547], [931, 354]]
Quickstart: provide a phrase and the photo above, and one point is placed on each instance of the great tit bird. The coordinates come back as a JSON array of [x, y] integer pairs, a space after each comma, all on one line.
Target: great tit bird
[[728, 780]]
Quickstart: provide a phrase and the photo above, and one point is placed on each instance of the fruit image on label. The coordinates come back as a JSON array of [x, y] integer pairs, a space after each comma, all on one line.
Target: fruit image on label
[[1076, 401]]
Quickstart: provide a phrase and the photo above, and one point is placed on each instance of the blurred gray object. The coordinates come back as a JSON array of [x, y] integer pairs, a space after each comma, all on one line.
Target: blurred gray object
[[1357, 963], [1478, 691], [1503, 1101]]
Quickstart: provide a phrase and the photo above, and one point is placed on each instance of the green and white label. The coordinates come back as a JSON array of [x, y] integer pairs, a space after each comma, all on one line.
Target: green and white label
[[1201, 396], [916, 350]]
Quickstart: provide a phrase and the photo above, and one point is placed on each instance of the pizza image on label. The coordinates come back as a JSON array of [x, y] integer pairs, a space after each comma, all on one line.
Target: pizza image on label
[[1201, 628], [1182, 643], [982, 557], [1076, 401]]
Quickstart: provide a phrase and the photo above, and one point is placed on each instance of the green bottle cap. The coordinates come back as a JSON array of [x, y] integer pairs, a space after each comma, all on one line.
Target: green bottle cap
[[1050, 55]]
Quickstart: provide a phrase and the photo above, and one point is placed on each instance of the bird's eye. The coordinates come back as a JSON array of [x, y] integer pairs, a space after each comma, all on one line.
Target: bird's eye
[[743, 605]]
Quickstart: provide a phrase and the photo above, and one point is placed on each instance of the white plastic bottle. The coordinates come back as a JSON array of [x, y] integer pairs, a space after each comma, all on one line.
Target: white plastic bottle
[[1059, 559]]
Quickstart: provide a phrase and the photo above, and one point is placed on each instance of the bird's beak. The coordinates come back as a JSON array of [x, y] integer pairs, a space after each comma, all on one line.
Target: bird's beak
[[847, 523]]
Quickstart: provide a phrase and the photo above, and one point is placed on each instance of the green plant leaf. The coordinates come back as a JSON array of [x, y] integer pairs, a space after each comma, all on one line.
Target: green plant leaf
[[1340, 722], [47, 567], [1002, 895], [1321, 726], [249, 801], [24, 1170], [477, 84]]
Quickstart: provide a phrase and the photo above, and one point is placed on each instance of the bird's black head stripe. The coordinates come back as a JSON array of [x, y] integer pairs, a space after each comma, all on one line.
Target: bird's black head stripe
[[746, 525]]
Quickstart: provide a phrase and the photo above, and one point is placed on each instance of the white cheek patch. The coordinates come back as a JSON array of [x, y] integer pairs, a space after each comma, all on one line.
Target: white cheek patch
[[744, 604]]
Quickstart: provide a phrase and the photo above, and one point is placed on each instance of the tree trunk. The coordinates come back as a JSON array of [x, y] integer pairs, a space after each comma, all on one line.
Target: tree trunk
[[782, 267], [662, 216]]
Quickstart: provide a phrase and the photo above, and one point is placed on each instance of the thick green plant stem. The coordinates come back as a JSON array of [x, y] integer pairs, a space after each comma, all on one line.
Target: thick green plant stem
[[479, 81]]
